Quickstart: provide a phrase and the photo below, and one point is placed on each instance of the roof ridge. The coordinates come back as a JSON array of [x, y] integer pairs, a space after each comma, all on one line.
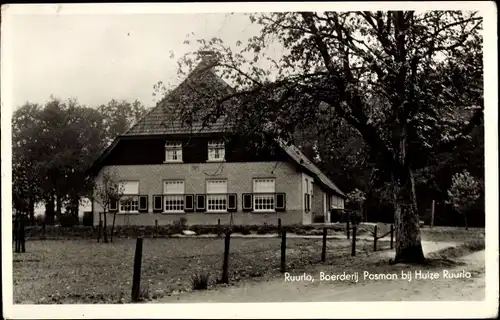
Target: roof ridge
[[199, 72]]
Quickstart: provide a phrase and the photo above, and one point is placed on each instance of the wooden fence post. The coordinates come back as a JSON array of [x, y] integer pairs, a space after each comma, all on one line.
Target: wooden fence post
[[375, 238], [348, 228], [99, 229], [218, 228], [16, 234], [283, 251], [225, 265], [323, 249], [353, 251], [432, 213], [22, 234], [392, 235], [156, 228], [113, 227], [136, 280]]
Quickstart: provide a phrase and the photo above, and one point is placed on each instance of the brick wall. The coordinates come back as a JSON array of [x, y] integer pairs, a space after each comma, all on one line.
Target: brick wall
[[239, 180]]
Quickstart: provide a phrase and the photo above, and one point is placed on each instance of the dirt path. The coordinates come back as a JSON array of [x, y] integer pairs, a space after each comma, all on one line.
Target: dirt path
[[279, 290]]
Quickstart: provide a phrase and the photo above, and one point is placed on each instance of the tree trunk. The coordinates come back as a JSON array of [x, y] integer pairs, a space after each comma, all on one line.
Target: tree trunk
[[113, 226], [75, 201], [31, 211], [49, 210], [406, 220], [58, 206], [104, 230], [465, 221]]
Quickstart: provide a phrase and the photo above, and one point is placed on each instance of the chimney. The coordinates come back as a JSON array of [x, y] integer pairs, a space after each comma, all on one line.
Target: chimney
[[208, 57]]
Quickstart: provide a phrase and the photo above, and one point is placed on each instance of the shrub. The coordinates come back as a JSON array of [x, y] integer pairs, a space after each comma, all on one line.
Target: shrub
[[179, 225], [39, 220], [319, 219], [183, 221], [199, 281], [242, 229], [265, 229], [144, 293], [67, 220], [88, 218], [336, 215]]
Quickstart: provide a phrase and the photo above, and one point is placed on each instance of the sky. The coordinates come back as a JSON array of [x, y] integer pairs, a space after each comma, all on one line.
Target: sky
[[96, 53], [99, 57]]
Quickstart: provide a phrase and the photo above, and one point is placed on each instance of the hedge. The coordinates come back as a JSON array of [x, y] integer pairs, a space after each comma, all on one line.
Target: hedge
[[89, 232]]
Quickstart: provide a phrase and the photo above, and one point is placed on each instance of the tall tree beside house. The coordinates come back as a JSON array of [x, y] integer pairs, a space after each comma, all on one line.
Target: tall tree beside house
[[106, 193], [52, 147], [410, 83], [26, 179]]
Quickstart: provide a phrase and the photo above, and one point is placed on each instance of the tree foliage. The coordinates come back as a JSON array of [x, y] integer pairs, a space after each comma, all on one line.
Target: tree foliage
[[53, 146], [411, 85], [465, 190], [105, 192]]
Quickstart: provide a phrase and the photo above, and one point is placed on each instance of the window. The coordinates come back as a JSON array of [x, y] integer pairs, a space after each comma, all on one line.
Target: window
[[129, 201], [173, 198], [337, 202], [173, 152], [263, 198], [216, 151], [216, 195]]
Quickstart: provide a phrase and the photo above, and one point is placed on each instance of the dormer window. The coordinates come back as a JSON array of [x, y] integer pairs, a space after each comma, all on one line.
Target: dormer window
[[173, 151], [216, 151]]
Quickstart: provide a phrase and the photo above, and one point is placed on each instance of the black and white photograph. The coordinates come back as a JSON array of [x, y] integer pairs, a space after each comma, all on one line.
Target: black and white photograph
[[249, 160]]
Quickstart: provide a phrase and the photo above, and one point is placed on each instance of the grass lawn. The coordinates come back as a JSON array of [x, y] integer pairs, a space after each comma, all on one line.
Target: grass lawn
[[84, 271]]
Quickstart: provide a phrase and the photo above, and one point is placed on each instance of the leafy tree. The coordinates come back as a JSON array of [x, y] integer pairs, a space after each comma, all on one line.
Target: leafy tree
[[26, 182], [355, 201], [463, 193], [52, 148], [104, 193], [119, 116], [410, 84]]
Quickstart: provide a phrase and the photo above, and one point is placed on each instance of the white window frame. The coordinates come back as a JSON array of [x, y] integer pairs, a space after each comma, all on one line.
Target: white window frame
[[131, 202], [216, 146], [175, 195], [129, 198], [173, 152], [266, 197], [216, 196]]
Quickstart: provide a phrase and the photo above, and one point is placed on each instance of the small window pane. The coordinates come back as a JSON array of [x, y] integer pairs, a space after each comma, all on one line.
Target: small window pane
[[129, 204]]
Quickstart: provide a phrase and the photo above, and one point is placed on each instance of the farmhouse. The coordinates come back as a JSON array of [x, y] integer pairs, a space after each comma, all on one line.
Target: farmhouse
[[169, 169]]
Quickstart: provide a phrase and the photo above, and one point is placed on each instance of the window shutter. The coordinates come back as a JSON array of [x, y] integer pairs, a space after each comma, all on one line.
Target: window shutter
[[157, 203], [232, 205], [200, 203], [247, 202], [280, 202], [188, 203], [143, 203], [113, 205]]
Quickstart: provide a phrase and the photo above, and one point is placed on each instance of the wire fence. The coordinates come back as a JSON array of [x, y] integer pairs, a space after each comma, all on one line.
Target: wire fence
[[172, 262], [239, 257]]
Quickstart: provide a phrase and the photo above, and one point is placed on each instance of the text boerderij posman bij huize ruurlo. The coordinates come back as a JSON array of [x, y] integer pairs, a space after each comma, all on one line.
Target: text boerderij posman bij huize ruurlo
[[368, 276]]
